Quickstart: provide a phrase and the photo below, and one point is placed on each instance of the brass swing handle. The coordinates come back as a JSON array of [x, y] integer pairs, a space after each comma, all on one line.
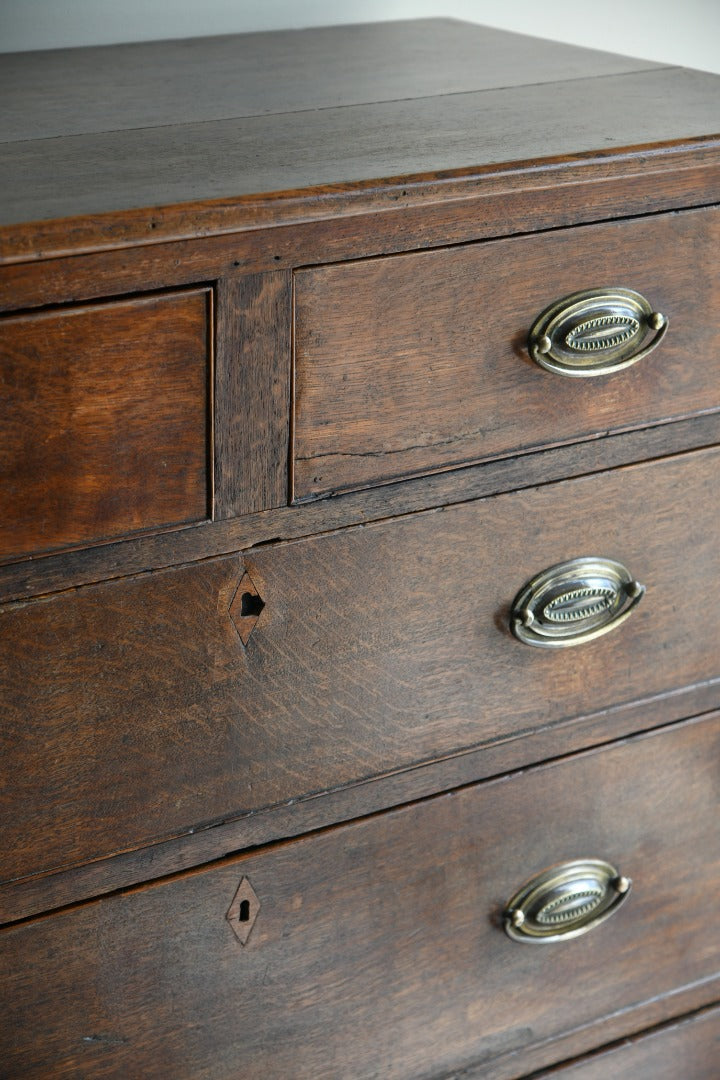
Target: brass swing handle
[[595, 332], [565, 901], [574, 602]]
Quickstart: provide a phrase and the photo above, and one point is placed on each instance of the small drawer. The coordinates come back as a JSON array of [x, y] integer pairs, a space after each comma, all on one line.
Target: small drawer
[[686, 1049], [414, 363], [142, 708], [105, 420], [377, 948]]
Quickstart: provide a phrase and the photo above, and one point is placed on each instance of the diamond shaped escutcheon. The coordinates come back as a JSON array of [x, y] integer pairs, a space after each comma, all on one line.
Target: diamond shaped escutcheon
[[245, 608], [243, 911]]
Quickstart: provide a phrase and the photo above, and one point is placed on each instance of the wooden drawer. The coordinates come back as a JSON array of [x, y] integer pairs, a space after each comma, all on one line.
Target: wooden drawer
[[141, 708], [376, 948], [414, 363], [687, 1049], [105, 422]]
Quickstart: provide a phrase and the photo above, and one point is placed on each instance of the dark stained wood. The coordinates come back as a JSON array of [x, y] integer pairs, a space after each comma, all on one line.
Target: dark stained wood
[[52, 573], [87, 189], [378, 648], [389, 926], [174, 698], [419, 362], [105, 418], [26, 897], [687, 1048], [252, 392], [339, 224], [160, 83]]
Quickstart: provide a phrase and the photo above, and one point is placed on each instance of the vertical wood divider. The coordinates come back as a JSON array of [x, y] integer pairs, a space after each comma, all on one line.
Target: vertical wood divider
[[252, 392]]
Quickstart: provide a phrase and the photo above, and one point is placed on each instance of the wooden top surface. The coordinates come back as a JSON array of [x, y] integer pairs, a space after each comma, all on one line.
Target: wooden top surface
[[154, 84], [98, 134]]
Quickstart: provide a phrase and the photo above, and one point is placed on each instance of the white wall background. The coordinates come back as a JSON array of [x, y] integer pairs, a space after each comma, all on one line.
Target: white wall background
[[673, 31]]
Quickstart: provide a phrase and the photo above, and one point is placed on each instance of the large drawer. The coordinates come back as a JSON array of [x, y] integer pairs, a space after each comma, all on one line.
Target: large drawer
[[419, 362], [141, 708], [105, 426], [376, 948]]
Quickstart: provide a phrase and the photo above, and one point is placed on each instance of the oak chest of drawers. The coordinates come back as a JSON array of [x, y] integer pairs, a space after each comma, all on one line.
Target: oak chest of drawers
[[349, 378]]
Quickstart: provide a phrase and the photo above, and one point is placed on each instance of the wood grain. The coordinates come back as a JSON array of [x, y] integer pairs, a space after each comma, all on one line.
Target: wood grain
[[413, 363], [687, 1048], [53, 573], [379, 648], [23, 898], [202, 241], [161, 715], [97, 179], [105, 421], [252, 390], [160, 83], [388, 925]]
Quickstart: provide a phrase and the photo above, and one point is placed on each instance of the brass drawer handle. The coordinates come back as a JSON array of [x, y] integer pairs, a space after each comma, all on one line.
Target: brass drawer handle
[[595, 332], [574, 602], [565, 901]]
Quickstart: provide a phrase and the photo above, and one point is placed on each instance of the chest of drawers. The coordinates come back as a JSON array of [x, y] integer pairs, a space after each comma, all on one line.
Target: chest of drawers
[[340, 369]]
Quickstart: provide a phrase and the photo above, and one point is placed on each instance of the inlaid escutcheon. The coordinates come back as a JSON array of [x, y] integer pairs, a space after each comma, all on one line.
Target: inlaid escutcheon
[[243, 911]]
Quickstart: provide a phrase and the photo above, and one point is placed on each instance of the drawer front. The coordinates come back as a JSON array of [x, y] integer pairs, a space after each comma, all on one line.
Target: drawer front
[[141, 708], [686, 1050], [390, 926], [105, 423], [414, 363]]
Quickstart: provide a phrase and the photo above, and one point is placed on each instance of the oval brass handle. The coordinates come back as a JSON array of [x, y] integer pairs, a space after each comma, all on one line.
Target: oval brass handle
[[595, 332], [574, 602], [565, 901]]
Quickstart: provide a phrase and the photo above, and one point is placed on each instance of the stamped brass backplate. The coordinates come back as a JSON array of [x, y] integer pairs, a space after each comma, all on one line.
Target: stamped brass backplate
[[595, 332], [565, 901], [574, 602]]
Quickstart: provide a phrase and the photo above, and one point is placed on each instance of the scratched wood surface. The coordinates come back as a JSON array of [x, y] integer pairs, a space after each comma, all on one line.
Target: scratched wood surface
[[52, 573], [157, 723], [687, 1048], [104, 189], [178, 248], [105, 420], [161, 83], [378, 648], [252, 393], [419, 362], [388, 926]]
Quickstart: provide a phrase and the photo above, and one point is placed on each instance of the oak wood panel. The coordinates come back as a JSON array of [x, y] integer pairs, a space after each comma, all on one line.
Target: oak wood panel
[[52, 573], [105, 420], [687, 1048], [150, 84], [389, 926], [90, 176], [252, 390], [378, 648], [130, 250], [23, 898], [418, 362]]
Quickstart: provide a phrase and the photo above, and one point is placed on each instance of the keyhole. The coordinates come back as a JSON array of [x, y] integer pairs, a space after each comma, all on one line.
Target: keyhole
[[244, 913], [250, 604]]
